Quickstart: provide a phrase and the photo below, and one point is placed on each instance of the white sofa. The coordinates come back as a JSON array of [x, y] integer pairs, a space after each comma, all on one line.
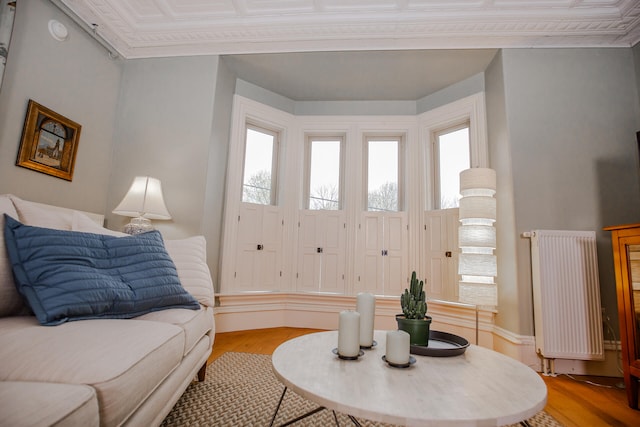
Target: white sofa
[[106, 372]]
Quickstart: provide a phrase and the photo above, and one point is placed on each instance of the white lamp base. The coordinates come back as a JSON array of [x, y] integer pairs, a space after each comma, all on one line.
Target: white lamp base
[[138, 225]]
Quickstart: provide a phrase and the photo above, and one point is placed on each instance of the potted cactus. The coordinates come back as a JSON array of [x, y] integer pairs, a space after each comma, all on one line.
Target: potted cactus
[[414, 319]]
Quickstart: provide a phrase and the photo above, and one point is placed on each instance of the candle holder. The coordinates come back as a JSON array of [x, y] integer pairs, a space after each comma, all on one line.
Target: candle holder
[[335, 351], [412, 360], [373, 344]]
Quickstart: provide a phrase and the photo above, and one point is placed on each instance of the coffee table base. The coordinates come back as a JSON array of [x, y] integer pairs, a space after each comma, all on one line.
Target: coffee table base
[[523, 423], [308, 414]]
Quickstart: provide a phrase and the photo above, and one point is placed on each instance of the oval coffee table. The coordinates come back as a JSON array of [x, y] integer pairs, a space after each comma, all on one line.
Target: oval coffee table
[[478, 388]]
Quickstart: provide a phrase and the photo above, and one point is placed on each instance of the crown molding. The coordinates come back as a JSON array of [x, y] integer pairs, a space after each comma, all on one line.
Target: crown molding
[[177, 28]]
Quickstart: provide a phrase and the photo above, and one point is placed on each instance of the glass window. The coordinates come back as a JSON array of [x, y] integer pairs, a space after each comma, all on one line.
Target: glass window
[[324, 173], [259, 178], [453, 150], [383, 172]]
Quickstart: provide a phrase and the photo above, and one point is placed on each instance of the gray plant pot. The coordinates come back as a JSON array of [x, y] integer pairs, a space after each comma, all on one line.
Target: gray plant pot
[[418, 329]]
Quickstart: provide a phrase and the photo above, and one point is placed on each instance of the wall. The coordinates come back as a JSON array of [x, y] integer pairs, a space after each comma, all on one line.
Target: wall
[[74, 78], [163, 129], [636, 62], [152, 116], [514, 304], [570, 117], [264, 96], [217, 170], [562, 126], [456, 91]]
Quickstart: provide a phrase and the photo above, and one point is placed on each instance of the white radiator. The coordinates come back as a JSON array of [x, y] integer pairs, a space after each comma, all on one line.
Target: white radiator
[[566, 295]]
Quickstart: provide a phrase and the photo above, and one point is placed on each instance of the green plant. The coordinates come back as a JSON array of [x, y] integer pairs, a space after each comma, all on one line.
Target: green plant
[[413, 300]]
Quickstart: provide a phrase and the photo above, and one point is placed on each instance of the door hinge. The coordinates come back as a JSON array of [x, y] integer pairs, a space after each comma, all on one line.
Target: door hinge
[[281, 274]]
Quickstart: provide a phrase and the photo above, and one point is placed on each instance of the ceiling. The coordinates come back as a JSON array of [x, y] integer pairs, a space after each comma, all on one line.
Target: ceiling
[[353, 49], [399, 75]]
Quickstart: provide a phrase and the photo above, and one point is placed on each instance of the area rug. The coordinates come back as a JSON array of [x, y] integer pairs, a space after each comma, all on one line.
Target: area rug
[[240, 389]]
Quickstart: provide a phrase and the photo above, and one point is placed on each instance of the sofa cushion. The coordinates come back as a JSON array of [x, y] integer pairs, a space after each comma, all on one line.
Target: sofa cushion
[[195, 324], [40, 215], [190, 257], [10, 300], [48, 404], [123, 360], [68, 275], [82, 222]]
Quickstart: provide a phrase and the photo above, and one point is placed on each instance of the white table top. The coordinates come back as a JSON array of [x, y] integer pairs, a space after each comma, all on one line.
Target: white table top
[[478, 388]]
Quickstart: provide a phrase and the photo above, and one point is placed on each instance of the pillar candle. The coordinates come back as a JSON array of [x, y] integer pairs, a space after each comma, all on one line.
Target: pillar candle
[[398, 347], [349, 333], [366, 306]]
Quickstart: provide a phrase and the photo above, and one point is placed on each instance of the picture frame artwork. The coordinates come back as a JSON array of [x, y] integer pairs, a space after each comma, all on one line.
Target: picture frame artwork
[[49, 142]]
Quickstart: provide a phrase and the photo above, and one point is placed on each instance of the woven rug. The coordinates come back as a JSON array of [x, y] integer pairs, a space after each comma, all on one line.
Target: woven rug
[[240, 389]]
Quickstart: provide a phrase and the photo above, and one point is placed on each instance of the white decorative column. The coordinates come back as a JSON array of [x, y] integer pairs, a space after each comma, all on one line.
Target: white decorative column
[[477, 237]]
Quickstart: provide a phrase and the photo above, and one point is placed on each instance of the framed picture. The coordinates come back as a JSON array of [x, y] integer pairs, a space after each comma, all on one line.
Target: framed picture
[[49, 142]]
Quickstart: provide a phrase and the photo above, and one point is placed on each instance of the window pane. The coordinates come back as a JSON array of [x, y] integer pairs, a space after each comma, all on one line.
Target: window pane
[[258, 164], [453, 149], [324, 175], [382, 176]]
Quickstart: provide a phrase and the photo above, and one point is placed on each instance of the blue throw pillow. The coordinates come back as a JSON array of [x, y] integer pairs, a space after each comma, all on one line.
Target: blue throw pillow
[[69, 275]]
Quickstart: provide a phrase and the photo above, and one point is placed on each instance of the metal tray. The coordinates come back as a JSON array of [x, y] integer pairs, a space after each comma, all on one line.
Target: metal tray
[[441, 344]]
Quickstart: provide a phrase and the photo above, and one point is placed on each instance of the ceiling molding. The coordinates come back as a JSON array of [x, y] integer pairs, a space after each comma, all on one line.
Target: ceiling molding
[[139, 29]]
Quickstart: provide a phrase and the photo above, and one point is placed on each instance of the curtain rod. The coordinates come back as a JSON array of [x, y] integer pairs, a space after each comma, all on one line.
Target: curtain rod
[[90, 29]]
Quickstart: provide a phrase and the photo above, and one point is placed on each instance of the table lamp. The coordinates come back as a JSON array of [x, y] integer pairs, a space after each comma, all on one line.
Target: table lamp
[[143, 202]]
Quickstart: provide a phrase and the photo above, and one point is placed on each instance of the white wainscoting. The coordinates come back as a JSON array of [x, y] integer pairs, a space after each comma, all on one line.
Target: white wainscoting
[[260, 310]]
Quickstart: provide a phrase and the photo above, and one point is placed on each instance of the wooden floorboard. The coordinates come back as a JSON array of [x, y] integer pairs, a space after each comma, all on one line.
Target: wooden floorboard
[[574, 402]]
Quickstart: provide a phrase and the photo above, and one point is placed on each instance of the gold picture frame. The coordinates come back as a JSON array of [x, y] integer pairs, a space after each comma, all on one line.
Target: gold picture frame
[[49, 142]]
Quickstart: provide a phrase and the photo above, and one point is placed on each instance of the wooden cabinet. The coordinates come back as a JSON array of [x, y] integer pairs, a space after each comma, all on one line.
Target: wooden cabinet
[[626, 258]]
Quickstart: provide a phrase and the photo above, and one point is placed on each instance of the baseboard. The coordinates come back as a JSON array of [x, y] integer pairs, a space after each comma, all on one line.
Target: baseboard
[[261, 310], [236, 312], [611, 366]]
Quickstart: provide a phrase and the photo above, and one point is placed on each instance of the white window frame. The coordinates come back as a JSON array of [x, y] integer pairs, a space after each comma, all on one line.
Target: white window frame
[[401, 138], [251, 125], [309, 139], [416, 174], [470, 109], [435, 136]]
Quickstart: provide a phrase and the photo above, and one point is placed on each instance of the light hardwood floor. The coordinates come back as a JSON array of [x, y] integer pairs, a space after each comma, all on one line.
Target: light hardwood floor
[[573, 402]]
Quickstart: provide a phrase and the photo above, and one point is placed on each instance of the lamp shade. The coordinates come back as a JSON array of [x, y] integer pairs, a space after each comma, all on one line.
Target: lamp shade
[[484, 294], [478, 180], [144, 199], [477, 264], [477, 207], [483, 236]]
